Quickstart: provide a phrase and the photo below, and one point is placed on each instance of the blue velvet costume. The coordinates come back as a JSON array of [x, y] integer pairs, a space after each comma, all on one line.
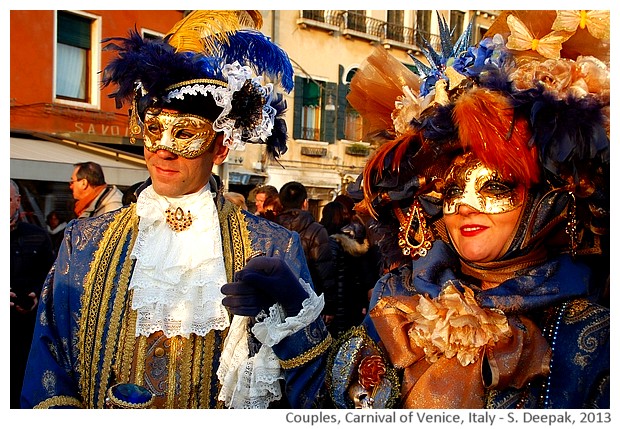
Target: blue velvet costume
[[84, 340]]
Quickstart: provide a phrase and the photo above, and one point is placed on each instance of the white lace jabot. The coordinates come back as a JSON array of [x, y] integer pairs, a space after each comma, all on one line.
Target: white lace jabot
[[178, 275]]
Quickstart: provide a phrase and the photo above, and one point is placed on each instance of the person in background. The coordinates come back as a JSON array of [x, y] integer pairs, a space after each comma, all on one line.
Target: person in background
[[236, 198], [272, 207], [130, 195], [334, 216], [373, 256], [261, 195], [132, 314], [315, 240], [355, 275], [32, 256], [55, 228], [347, 201], [93, 196]]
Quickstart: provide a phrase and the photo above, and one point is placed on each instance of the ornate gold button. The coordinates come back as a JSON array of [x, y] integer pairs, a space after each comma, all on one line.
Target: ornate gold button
[[159, 351]]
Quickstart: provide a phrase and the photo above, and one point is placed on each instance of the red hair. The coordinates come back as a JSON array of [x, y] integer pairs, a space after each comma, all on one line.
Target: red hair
[[375, 166], [488, 127]]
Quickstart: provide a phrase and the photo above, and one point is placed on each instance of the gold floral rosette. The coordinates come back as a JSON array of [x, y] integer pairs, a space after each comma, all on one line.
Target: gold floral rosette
[[443, 343]]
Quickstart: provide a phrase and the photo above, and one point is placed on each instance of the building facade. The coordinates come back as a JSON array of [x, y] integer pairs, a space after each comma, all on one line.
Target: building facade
[[59, 114]]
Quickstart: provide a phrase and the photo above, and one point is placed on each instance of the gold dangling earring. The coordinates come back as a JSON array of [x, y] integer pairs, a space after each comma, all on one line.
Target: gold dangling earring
[[136, 128], [414, 237]]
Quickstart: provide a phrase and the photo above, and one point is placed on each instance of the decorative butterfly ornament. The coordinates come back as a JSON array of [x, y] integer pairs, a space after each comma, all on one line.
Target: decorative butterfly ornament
[[521, 39], [596, 21]]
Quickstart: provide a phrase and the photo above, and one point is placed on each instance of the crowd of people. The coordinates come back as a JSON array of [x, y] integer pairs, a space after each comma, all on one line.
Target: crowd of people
[[455, 273]]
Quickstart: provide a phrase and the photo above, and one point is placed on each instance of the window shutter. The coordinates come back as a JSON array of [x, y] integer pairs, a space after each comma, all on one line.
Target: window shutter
[[343, 90], [328, 124], [73, 30], [298, 101]]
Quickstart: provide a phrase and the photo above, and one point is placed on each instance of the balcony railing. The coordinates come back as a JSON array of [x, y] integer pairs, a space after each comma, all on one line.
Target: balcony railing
[[308, 133], [331, 17], [363, 24], [353, 24]]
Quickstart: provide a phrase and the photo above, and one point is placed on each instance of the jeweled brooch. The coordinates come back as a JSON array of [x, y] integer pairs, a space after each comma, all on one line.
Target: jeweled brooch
[[177, 219]]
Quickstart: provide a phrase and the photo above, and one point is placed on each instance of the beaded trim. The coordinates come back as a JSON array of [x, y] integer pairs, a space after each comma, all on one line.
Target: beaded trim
[[552, 335], [195, 81], [112, 401], [308, 355]]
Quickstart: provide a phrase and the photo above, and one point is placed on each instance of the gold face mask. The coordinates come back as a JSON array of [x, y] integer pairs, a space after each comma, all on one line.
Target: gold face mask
[[469, 182], [188, 136]]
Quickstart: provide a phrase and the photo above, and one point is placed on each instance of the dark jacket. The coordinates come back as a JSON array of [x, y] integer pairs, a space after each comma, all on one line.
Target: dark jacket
[[315, 241], [31, 259], [356, 274]]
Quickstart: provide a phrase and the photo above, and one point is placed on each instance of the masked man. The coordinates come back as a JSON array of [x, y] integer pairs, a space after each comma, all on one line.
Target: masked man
[[131, 315]]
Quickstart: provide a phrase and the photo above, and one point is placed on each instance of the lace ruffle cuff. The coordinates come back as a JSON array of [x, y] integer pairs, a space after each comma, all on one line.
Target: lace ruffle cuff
[[271, 329]]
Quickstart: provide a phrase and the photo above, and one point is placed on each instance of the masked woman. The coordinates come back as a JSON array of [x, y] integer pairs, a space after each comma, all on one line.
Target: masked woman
[[490, 204], [491, 200]]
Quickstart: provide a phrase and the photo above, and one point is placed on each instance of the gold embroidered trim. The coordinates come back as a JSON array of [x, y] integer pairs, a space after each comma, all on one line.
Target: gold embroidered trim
[[172, 372], [207, 363], [185, 368], [194, 398], [308, 355], [128, 344], [236, 242], [95, 306], [58, 401], [140, 359], [120, 300]]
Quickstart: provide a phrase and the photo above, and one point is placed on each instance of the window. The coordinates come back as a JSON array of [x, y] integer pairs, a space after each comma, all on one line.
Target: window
[[353, 129], [423, 23], [151, 35], [353, 121], [479, 35], [314, 114], [311, 111], [395, 20], [457, 18], [356, 20], [316, 15], [75, 60]]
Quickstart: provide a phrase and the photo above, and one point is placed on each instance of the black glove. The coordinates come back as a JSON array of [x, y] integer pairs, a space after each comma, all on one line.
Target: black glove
[[260, 284]]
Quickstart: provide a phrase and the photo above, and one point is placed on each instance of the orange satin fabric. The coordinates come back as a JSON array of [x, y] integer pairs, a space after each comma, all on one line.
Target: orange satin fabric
[[446, 383]]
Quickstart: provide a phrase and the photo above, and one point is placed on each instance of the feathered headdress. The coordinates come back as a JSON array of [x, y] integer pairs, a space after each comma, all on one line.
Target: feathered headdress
[[215, 64], [531, 99]]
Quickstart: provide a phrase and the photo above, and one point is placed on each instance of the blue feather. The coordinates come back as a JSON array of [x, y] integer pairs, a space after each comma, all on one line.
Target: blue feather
[[276, 142], [254, 49], [438, 62]]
